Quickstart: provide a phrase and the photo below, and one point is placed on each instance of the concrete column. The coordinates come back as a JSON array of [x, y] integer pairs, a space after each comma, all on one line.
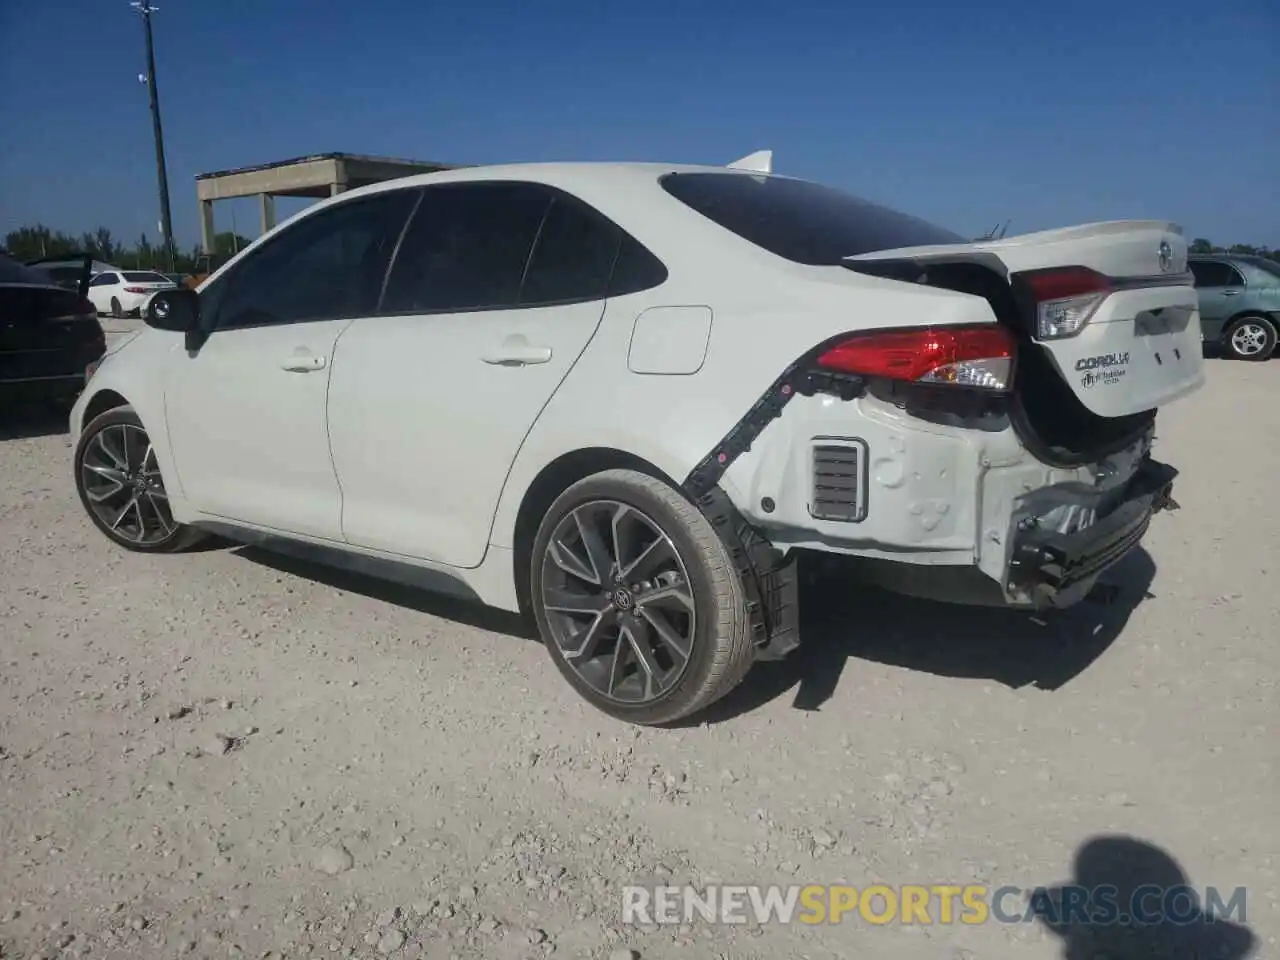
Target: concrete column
[[266, 211], [206, 225]]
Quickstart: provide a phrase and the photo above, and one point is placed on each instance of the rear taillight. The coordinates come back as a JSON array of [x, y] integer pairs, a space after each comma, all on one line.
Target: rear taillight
[[1065, 299], [980, 357], [135, 289]]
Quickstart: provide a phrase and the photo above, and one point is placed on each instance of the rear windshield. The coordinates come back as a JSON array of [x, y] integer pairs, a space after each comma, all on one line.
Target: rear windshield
[[11, 271], [146, 278], [802, 221]]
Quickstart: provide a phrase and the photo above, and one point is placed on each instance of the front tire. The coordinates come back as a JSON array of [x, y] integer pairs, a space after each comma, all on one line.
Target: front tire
[[119, 483], [637, 600], [1251, 338]]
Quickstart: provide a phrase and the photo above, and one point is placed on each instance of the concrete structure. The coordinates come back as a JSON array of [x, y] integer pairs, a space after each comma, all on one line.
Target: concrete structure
[[322, 175]]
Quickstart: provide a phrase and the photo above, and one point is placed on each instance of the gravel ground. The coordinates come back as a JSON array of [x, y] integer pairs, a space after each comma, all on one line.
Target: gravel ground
[[224, 754]]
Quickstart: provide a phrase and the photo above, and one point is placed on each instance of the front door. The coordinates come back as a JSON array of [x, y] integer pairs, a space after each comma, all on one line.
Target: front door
[[430, 401], [247, 410]]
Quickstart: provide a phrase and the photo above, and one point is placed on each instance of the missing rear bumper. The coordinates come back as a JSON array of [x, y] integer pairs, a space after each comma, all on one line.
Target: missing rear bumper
[[1056, 570]]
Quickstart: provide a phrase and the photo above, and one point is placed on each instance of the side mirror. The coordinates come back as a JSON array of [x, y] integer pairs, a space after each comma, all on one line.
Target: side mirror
[[177, 310]]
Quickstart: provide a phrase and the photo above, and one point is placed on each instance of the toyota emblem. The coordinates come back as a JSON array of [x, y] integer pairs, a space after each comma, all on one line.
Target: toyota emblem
[[1165, 255]]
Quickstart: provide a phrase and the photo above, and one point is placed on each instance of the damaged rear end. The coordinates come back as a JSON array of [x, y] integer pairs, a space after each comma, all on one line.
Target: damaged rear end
[[1013, 453], [1106, 322]]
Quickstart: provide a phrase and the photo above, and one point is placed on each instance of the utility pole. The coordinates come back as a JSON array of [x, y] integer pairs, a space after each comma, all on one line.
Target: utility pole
[[145, 8]]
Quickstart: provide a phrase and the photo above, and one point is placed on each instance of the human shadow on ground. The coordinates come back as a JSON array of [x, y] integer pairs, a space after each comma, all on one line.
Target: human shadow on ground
[[842, 621], [1130, 900], [27, 421]]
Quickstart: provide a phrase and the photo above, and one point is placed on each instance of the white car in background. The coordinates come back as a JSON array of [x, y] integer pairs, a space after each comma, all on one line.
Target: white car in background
[[624, 398], [124, 293]]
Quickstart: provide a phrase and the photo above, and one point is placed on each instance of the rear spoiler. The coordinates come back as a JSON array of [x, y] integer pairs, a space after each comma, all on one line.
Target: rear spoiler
[[86, 270], [759, 162]]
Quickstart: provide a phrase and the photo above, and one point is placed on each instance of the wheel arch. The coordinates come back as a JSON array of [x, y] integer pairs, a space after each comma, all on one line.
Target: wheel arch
[[1251, 314], [551, 481], [101, 401]]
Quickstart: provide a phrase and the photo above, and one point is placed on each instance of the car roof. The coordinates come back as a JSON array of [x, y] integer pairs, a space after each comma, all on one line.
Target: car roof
[[584, 174]]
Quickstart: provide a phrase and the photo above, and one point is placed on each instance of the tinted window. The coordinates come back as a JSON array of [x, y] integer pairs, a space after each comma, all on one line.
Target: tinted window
[[13, 272], [330, 264], [104, 280], [145, 277], [467, 248], [573, 257], [1211, 273], [636, 269], [801, 221]]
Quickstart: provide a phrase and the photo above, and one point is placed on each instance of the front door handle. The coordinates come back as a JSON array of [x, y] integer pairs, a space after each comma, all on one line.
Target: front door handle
[[1231, 293], [302, 363], [516, 351]]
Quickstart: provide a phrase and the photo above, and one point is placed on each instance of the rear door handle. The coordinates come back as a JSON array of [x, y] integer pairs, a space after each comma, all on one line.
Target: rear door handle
[[302, 363], [516, 351], [1231, 293]]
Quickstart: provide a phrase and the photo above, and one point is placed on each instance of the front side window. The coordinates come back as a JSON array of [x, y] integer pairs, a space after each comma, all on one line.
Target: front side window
[[467, 248], [801, 221], [328, 266]]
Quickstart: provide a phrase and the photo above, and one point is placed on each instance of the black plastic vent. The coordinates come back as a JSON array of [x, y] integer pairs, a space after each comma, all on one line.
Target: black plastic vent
[[840, 481]]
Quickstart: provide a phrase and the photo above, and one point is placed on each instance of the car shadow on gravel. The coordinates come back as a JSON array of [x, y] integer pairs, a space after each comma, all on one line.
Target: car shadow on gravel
[[467, 612], [1130, 900], [842, 622], [29, 421]]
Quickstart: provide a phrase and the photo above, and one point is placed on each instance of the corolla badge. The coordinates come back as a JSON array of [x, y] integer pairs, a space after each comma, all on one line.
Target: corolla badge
[[1165, 254]]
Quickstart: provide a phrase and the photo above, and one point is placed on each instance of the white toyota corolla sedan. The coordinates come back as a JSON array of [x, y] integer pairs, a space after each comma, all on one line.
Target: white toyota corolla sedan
[[624, 398]]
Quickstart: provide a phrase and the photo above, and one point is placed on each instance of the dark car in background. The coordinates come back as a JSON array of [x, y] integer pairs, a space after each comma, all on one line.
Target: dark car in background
[[1239, 302], [49, 334]]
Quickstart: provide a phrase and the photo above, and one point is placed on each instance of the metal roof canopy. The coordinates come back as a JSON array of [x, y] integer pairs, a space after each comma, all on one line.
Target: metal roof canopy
[[319, 175]]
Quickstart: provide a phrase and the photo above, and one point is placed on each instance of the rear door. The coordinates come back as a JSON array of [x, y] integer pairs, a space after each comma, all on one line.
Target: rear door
[[1220, 287], [495, 291]]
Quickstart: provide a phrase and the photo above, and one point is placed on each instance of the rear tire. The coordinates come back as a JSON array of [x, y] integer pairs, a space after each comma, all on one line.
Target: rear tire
[[637, 600], [120, 486], [116, 311], [1250, 338]]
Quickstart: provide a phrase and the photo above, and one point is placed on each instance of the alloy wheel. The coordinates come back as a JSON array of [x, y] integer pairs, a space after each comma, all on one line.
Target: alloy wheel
[[123, 487], [1249, 339], [619, 604]]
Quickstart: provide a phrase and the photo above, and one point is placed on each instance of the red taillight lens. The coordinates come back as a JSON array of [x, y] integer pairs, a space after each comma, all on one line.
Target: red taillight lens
[[1065, 299], [135, 289], [1059, 284], [960, 356]]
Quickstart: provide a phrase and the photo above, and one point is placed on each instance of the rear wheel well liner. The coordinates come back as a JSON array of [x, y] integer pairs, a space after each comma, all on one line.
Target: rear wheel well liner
[[551, 481]]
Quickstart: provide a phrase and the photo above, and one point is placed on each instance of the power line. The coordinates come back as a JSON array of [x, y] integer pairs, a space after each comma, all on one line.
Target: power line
[[145, 8]]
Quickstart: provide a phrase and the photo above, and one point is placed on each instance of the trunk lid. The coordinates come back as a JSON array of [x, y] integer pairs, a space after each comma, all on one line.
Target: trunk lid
[[1138, 345]]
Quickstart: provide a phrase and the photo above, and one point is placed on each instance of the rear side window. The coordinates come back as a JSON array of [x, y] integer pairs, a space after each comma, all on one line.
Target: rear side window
[[573, 257], [801, 221], [1213, 273], [467, 249], [104, 280]]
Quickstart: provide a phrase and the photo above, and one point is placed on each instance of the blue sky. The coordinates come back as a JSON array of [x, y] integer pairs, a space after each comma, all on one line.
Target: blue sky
[[964, 113]]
